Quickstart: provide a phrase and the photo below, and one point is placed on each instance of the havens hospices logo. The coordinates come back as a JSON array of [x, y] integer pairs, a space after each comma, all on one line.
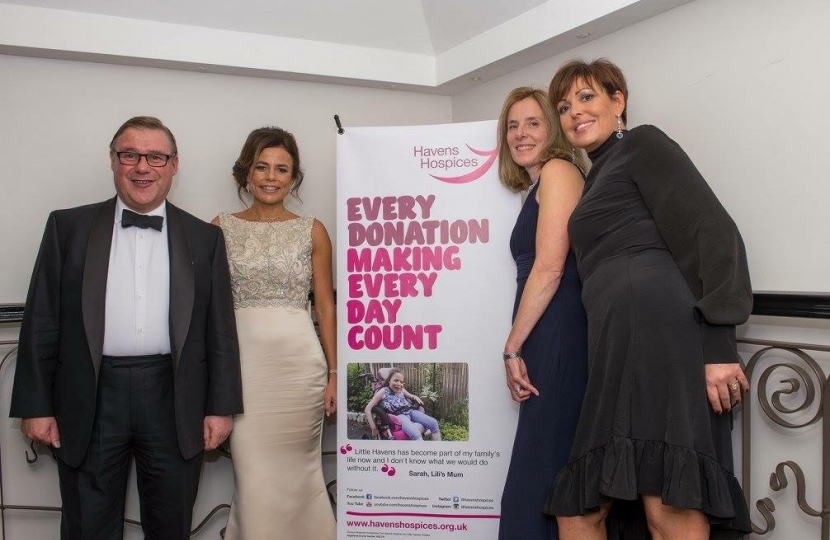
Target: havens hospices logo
[[451, 159]]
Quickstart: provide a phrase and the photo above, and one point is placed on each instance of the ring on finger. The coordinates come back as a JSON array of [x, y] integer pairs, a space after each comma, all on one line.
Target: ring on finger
[[735, 386]]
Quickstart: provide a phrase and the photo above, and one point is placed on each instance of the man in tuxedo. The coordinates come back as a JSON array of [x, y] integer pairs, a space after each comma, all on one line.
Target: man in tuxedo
[[128, 347]]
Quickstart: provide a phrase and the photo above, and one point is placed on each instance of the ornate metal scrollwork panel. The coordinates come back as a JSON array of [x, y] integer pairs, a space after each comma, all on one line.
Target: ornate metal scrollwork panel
[[795, 401]]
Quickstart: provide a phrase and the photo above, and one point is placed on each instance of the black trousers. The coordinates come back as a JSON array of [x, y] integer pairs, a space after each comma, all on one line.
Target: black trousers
[[134, 417]]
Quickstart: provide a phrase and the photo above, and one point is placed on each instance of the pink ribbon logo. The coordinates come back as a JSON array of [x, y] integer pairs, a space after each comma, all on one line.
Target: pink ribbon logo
[[475, 174]]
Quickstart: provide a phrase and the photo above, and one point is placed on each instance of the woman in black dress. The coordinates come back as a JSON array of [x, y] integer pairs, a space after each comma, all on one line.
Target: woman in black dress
[[665, 282], [545, 352]]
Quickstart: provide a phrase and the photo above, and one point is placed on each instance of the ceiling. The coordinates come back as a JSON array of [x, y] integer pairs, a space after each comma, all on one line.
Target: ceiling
[[435, 46]]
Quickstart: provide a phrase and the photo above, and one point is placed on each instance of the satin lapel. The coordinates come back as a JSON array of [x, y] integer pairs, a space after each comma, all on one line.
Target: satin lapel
[[182, 282], [94, 289]]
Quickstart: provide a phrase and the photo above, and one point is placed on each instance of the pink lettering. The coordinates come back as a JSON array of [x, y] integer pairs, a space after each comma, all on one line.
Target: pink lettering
[[355, 290], [352, 209], [392, 285], [391, 337], [390, 207], [379, 311]]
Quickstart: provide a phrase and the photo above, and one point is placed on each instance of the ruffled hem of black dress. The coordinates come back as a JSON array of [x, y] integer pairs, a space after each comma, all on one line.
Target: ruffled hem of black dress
[[625, 469]]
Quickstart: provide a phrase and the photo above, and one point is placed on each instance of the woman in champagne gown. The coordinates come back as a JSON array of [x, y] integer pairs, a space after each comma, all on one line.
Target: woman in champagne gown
[[288, 380]]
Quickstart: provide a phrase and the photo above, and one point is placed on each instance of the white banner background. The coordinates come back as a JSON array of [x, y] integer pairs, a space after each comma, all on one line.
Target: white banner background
[[429, 489]]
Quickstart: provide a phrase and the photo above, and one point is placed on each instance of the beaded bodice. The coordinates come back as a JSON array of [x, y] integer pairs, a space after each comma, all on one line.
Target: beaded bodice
[[270, 263]]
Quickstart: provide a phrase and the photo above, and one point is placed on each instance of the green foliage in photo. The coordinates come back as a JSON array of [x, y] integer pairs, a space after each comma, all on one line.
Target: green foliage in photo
[[453, 432]]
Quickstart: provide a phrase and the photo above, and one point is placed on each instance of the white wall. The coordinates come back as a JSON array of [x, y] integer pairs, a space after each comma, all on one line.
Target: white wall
[[56, 120], [742, 86]]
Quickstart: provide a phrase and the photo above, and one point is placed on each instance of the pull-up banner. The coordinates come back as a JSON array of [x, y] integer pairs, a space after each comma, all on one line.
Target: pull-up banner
[[425, 289]]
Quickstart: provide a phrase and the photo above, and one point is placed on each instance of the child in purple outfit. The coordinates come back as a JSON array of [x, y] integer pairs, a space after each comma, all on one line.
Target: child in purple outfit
[[395, 400]]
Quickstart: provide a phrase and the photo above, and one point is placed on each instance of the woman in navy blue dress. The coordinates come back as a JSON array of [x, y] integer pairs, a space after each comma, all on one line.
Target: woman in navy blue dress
[[545, 352]]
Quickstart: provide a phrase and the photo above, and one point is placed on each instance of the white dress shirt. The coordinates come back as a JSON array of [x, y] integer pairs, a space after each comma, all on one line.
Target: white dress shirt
[[137, 319]]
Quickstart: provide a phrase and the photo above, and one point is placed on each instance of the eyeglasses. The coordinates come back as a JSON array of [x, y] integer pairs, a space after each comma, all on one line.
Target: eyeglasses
[[153, 160]]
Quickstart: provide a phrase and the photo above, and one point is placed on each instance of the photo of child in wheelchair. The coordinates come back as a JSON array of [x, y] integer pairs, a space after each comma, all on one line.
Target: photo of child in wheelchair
[[393, 413]]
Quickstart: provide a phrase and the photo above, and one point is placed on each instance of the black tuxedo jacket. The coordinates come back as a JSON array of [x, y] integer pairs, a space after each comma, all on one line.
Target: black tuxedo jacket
[[62, 335]]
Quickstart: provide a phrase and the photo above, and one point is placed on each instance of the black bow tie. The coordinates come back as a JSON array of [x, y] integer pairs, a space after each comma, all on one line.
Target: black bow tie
[[131, 219]]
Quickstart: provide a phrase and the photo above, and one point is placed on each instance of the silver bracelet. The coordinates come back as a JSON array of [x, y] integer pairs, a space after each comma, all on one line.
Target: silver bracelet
[[509, 355]]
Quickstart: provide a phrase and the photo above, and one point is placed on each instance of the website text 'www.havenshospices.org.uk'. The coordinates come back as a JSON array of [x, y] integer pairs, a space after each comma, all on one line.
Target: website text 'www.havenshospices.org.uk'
[[410, 525]]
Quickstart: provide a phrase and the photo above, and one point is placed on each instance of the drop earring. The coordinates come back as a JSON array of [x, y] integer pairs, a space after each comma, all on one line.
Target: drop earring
[[619, 128], [248, 187]]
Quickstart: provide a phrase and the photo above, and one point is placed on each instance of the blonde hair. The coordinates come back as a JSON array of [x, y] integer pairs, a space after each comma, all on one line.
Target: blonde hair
[[514, 177]]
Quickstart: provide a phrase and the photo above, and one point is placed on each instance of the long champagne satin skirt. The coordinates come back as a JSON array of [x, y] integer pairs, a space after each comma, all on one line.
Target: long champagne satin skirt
[[279, 487]]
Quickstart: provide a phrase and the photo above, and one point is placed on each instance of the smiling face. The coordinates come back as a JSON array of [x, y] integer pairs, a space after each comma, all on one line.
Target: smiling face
[[142, 187], [527, 135], [271, 175], [396, 382], [589, 115]]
